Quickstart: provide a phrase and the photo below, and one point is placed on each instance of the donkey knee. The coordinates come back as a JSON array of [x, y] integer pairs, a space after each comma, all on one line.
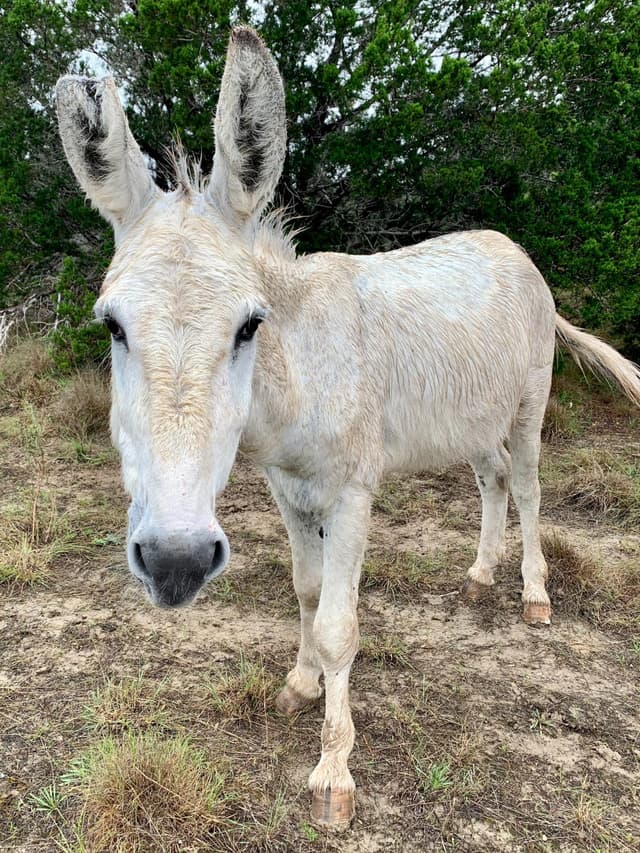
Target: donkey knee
[[336, 638], [308, 598]]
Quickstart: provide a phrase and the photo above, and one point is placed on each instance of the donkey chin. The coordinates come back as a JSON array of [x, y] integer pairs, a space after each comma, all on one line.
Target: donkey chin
[[173, 567]]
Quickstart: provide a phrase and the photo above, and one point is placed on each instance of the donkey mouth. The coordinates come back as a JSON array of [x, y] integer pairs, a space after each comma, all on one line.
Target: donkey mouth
[[172, 596]]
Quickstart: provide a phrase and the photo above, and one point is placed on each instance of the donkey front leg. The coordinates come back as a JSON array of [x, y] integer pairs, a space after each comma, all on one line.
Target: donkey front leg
[[306, 534], [336, 635]]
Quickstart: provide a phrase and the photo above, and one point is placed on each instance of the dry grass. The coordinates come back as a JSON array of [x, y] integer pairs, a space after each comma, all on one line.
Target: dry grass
[[383, 650], [33, 534], [401, 574], [147, 793], [81, 409], [441, 750], [595, 481], [590, 818], [264, 584], [26, 372], [126, 704], [399, 499], [244, 691], [573, 574], [562, 420], [579, 585]]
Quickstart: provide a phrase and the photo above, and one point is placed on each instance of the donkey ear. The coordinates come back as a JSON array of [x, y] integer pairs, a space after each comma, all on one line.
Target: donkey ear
[[250, 128], [103, 154]]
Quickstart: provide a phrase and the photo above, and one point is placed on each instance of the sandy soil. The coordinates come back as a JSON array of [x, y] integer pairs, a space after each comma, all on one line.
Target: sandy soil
[[536, 732]]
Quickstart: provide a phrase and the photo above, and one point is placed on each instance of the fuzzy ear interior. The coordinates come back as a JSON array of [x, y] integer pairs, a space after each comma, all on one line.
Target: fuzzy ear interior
[[250, 128], [101, 150]]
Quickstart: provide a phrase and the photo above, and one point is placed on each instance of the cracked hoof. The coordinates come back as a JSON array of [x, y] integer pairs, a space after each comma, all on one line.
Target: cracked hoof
[[334, 809], [289, 701], [473, 590], [537, 614]]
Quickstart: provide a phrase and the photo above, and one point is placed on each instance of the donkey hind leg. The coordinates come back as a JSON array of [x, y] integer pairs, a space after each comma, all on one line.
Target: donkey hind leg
[[305, 537], [492, 472], [336, 634], [525, 487]]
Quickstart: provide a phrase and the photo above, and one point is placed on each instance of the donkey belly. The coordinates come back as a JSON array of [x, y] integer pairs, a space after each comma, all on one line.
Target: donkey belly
[[455, 394], [429, 435], [447, 404]]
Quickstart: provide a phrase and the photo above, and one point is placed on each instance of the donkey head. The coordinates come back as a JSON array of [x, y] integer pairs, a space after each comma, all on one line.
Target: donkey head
[[183, 299]]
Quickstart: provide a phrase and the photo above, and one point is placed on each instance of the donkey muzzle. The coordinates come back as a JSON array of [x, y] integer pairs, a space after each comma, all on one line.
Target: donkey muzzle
[[174, 567]]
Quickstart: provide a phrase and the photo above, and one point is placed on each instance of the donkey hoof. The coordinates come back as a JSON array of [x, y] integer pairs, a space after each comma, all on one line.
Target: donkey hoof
[[289, 701], [334, 809], [474, 590], [537, 614]]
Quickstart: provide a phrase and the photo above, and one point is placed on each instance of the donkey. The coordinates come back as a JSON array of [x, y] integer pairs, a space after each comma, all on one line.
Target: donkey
[[401, 361]]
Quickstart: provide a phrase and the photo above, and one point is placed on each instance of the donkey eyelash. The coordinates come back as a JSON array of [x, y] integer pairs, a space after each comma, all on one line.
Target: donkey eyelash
[[248, 329], [117, 332]]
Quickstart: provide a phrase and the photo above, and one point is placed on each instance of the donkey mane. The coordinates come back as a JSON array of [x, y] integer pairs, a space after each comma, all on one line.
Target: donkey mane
[[272, 233]]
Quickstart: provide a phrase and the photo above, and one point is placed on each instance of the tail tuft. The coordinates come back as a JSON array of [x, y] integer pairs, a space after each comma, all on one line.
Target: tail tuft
[[589, 351]]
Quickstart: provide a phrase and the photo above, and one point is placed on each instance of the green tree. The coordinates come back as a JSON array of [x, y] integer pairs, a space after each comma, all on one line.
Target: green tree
[[407, 119], [42, 217]]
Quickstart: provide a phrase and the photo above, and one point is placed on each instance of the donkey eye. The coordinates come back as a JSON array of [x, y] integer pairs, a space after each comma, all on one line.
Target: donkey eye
[[245, 333], [117, 332]]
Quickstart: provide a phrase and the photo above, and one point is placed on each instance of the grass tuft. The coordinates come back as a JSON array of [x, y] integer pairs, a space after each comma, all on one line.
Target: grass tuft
[[32, 536], [384, 650], [606, 594], [126, 704], [596, 482], [434, 777], [26, 372], [81, 408], [146, 793], [401, 574], [245, 691], [48, 799], [573, 575]]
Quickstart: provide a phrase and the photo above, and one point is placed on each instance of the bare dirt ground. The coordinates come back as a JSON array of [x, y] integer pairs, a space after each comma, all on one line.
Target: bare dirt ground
[[474, 731]]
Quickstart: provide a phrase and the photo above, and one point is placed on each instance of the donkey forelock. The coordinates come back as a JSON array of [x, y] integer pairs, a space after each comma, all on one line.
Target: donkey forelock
[[271, 232]]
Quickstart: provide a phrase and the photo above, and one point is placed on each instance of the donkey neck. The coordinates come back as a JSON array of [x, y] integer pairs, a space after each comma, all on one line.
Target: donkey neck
[[276, 387], [314, 316]]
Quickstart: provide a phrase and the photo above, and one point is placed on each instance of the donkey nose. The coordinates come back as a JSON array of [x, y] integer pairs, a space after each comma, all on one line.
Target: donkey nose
[[173, 568]]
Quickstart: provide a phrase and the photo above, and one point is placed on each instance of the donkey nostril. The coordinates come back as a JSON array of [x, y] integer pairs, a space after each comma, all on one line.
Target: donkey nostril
[[218, 555], [137, 555]]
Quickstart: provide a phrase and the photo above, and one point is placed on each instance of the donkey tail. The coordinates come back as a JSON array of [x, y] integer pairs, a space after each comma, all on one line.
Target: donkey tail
[[601, 358]]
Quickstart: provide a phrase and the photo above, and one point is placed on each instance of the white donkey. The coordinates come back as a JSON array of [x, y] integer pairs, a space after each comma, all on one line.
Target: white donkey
[[403, 361]]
